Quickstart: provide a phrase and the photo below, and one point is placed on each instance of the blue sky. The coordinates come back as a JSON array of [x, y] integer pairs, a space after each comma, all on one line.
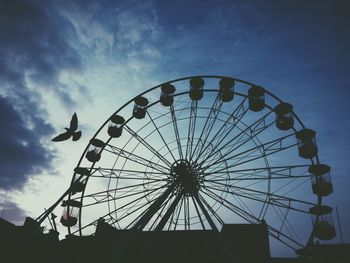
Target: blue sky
[[71, 56]]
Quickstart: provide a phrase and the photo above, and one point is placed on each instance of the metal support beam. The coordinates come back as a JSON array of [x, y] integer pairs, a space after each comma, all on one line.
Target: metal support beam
[[207, 216], [168, 213], [154, 207]]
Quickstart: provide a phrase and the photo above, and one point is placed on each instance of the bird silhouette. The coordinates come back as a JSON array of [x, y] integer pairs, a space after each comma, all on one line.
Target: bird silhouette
[[70, 132]]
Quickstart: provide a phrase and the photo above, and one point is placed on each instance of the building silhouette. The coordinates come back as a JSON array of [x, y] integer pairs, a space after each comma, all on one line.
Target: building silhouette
[[235, 243]]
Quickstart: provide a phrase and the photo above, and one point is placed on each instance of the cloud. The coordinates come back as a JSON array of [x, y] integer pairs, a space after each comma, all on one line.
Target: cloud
[[119, 41], [22, 153], [34, 48]]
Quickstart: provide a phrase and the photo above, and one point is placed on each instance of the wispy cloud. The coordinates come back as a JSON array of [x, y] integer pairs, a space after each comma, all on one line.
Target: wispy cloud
[[91, 57], [22, 154], [34, 47], [33, 53]]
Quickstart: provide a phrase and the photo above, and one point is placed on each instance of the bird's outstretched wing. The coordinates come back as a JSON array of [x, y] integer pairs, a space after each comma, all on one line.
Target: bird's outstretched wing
[[74, 123], [62, 137], [76, 136]]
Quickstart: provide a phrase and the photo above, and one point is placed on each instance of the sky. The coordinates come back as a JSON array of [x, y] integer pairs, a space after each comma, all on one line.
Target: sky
[[90, 57]]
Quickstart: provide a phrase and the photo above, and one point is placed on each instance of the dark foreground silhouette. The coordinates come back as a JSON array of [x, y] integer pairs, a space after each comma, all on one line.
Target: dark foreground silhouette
[[241, 243]]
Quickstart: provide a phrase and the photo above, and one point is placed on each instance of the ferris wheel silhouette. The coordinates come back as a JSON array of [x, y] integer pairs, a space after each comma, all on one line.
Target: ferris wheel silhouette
[[197, 153]]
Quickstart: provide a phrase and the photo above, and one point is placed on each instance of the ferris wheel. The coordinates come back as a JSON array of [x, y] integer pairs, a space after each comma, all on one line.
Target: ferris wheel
[[197, 153]]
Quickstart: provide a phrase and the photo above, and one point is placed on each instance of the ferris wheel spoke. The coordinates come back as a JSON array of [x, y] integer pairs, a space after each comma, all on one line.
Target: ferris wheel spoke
[[177, 217], [182, 106], [143, 188], [292, 189], [162, 217], [265, 147], [176, 130], [204, 206], [285, 224], [105, 196], [208, 125], [135, 158], [214, 212], [230, 206], [186, 214], [143, 197], [132, 208], [146, 144], [239, 178], [269, 148], [161, 136], [171, 221], [234, 118], [153, 208], [251, 131], [198, 213], [191, 127], [101, 172], [121, 189], [242, 204], [170, 211], [263, 199], [253, 159], [273, 172], [129, 211], [118, 177], [284, 238], [273, 198], [160, 114], [242, 175]]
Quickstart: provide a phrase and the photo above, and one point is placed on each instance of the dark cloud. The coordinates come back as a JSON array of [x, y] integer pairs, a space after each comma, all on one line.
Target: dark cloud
[[22, 154], [11, 212], [35, 45], [34, 48]]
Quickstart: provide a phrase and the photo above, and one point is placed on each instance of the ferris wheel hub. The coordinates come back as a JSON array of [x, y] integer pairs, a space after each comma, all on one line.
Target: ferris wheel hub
[[187, 176]]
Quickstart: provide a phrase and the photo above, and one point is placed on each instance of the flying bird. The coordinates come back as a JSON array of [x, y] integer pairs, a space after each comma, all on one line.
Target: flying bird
[[70, 132]]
